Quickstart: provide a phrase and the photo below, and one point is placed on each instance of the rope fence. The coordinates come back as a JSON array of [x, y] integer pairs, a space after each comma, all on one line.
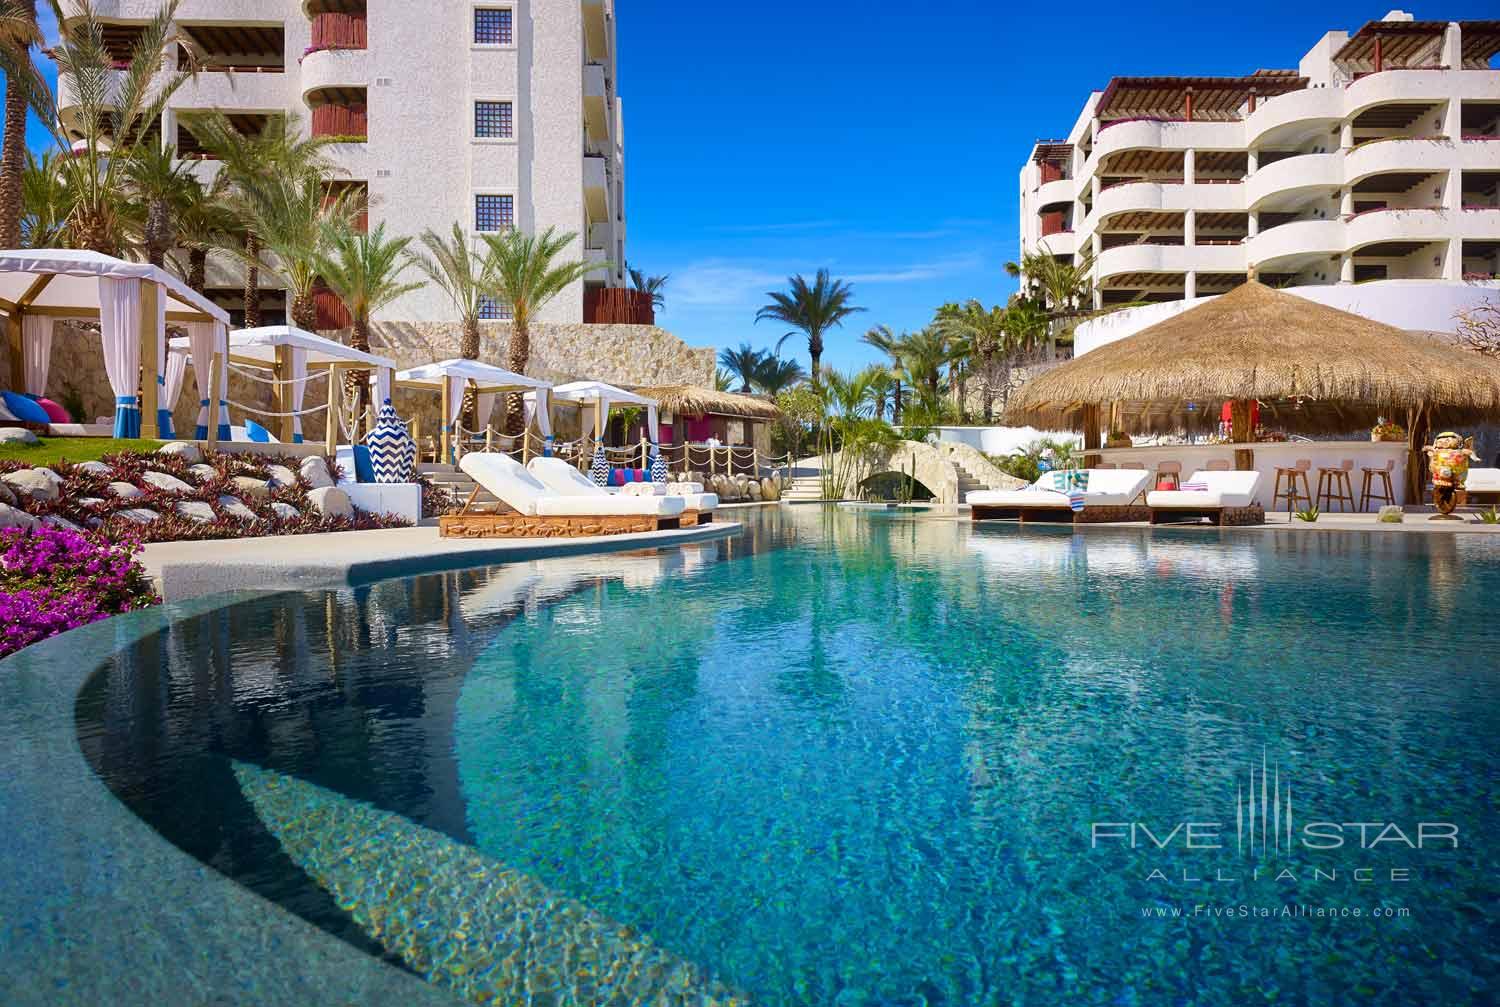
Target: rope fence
[[723, 459]]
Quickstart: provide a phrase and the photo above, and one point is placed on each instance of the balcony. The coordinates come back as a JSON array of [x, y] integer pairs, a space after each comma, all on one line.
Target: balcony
[[617, 306], [336, 31], [596, 103], [239, 48], [596, 187], [339, 114], [598, 16], [191, 148], [1295, 176]]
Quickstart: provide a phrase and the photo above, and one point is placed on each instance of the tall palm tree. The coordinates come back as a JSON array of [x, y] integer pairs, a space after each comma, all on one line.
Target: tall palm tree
[[924, 355], [163, 185], [883, 339], [1064, 289], [206, 222], [45, 201], [526, 273], [979, 332], [775, 375], [18, 33], [459, 267], [814, 310], [364, 270], [745, 363], [296, 221], [653, 285]]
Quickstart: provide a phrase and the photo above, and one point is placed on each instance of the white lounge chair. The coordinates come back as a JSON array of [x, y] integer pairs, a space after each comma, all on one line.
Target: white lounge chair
[[1483, 486], [537, 511], [403, 500], [562, 477], [1229, 497], [1112, 495]]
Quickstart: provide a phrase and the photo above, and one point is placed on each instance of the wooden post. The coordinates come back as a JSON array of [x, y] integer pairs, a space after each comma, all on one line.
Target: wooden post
[[645, 458], [445, 445], [416, 429], [219, 367], [598, 421], [1252, 100], [1091, 443], [150, 360], [525, 445], [1187, 105], [282, 394], [1241, 433], [1418, 427], [17, 351], [1379, 55], [489, 437], [331, 414]]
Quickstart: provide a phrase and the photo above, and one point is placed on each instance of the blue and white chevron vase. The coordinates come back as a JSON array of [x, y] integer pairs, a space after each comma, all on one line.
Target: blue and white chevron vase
[[599, 468], [659, 473], [393, 453]]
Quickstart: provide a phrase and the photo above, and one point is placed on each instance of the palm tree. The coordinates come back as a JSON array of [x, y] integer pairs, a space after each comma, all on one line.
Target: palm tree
[[205, 222], [814, 310], [745, 363], [980, 332], [163, 186], [653, 285], [526, 274], [924, 355], [775, 375], [296, 221], [883, 339], [457, 266], [364, 270], [1064, 289], [18, 33], [45, 201], [723, 380]]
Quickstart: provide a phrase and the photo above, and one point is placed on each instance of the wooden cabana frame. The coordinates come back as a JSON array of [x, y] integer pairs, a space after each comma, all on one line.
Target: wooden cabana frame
[[479, 377]]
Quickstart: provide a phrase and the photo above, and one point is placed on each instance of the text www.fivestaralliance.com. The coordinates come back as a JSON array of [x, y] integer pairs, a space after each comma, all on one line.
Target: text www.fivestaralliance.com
[[1287, 910]]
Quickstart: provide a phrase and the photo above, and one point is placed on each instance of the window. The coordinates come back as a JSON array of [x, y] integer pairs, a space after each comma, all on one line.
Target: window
[[494, 212], [492, 26], [491, 309], [493, 119]]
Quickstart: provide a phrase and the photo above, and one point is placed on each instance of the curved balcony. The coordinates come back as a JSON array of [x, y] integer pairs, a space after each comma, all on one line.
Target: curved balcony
[[337, 30], [1059, 243], [1062, 190], [1158, 134], [1295, 112], [1373, 157], [1298, 241], [212, 91], [1175, 197], [1427, 86], [1294, 175], [1431, 224], [334, 68], [342, 121], [1169, 259]]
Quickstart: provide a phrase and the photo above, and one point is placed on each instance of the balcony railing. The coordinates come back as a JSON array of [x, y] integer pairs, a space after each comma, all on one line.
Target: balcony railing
[[331, 311], [617, 305], [347, 123], [338, 31]]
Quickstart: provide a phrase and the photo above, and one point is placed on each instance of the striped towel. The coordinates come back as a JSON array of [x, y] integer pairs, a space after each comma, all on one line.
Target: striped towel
[[1195, 487], [1075, 501]]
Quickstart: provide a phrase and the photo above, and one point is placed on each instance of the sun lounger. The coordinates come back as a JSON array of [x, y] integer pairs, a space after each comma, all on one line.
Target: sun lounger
[[535, 511], [1483, 486], [1229, 498], [1111, 495], [561, 477]]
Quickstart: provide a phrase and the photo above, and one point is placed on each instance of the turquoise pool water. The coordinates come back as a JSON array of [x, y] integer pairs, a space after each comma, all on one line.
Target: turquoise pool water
[[860, 759]]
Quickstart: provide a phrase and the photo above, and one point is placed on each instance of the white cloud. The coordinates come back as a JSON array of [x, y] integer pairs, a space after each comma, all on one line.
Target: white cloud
[[47, 21], [721, 283], [917, 272]]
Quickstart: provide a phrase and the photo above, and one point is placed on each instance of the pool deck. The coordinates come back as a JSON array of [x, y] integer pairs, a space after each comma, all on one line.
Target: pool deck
[[185, 570]]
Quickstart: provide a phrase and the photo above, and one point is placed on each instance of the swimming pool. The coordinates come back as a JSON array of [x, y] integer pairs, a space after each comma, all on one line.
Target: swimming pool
[[857, 759]]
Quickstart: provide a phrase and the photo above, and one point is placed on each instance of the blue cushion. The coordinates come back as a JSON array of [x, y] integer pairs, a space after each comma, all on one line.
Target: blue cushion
[[24, 409], [364, 468], [257, 433]]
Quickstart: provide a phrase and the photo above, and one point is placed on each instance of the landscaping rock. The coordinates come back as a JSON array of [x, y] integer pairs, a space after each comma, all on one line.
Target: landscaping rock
[[167, 483], [753, 488], [203, 473], [17, 435], [58, 521], [330, 501], [89, 501], [95, 468], [315, 471], [770, 489], [282, 476], [285, 511], [182, 449], [14, 517], [6, 496], [126, 491], [140, 515], [1391, 515], [255, 489], [236, 509], [36, 484], [197, 510]]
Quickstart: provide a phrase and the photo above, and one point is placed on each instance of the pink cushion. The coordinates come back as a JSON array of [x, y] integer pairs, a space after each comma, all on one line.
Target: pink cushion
[[55, 412]]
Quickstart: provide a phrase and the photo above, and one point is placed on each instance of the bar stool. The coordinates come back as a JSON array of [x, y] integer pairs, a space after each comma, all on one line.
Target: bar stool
[[1169, 470], [1219, 465], [1367, 491], [1105, 465], [1335, 486], [1291, 475]]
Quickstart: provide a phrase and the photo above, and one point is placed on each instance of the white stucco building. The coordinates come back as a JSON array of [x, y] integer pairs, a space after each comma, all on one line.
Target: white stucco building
[[492, 113], [1373, 169]]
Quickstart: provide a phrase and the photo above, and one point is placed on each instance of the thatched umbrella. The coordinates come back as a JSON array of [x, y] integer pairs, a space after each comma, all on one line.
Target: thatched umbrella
[[1255, 343], [691, 400]]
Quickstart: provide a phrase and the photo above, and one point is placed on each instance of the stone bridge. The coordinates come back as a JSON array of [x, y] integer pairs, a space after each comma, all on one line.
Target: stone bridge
[[947, 470]]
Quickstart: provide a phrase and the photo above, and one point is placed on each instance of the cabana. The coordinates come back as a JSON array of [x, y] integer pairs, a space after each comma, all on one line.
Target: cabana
[[1325, 371], [133, 302], [290, 354], [703, 415], [596, 398], [450, 378]]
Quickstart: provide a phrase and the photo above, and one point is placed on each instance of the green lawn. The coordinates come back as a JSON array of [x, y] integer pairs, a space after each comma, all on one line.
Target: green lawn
[[71, 449]]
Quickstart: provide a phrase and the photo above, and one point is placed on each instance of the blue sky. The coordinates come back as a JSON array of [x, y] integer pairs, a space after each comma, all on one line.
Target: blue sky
[[880, 140]]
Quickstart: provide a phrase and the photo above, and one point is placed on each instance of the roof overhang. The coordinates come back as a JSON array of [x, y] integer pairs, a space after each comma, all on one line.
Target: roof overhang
[[64, 282], [1214, 98]]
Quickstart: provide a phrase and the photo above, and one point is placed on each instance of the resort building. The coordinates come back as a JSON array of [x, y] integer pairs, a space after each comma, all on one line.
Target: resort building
[[493, 114], [1376, 162]]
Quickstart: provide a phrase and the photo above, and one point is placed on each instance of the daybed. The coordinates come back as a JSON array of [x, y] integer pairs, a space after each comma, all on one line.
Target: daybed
[[1226, 498], [1483, 486], [561, 477], [403, 500], [1109, 495]]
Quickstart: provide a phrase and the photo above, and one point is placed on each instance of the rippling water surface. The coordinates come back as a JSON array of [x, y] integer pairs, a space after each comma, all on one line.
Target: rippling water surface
[[852, 759]]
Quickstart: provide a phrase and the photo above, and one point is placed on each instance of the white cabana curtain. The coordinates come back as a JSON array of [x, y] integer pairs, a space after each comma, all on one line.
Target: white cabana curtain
[[299, 390], [119, 324], [653, 428], [159, 368], [177, 365], [201, 349], [382, 386], [543, 409], [36, 353], [486, 405]]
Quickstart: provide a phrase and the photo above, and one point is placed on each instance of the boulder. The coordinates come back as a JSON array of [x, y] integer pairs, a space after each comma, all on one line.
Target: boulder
[[330, 501], [167, 483], [255, 489], [770, 489], [315, 471], [282, 476], [6, 496], [89, 501], [35, 484], [202, 472], [17, 435], [140, 515], [58, 521], [13, 517], [197, 510], [95, 468], [182, 449], [56, 479], [285, 511], [754, 490], [126, 491], [235, 508]]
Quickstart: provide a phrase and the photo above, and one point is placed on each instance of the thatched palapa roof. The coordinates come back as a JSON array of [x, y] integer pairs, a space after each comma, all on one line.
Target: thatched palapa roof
[[690, 400], [1259, 343]]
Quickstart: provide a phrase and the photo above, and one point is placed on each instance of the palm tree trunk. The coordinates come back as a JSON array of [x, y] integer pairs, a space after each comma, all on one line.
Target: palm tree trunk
[[252, 282], [519, 357], [12, 167], [988, 363], [896, 412], [305, 311], [158, 233], [197, 276], [469, 348], [358, 382], [92, 231]]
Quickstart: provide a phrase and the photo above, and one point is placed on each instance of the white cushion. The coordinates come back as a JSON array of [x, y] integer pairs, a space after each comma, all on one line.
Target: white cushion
[[698, 501], [560, 477], [1047, 498], [404, 500], [1483, 481], [343, 457], [683, 489], [509, 481], [606, 506], [1225, 489], [6, 416], [644, 489], [1107, 488]]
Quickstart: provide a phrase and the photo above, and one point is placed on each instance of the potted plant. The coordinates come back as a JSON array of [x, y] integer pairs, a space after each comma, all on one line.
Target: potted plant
[[1118, 439], [1386, 431]]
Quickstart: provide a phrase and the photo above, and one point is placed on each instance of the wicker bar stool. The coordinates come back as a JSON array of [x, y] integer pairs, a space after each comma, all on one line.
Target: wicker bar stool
[[1335, 486], [1219, 465], [1169, 470], [1367, 490], [1290, 475]]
